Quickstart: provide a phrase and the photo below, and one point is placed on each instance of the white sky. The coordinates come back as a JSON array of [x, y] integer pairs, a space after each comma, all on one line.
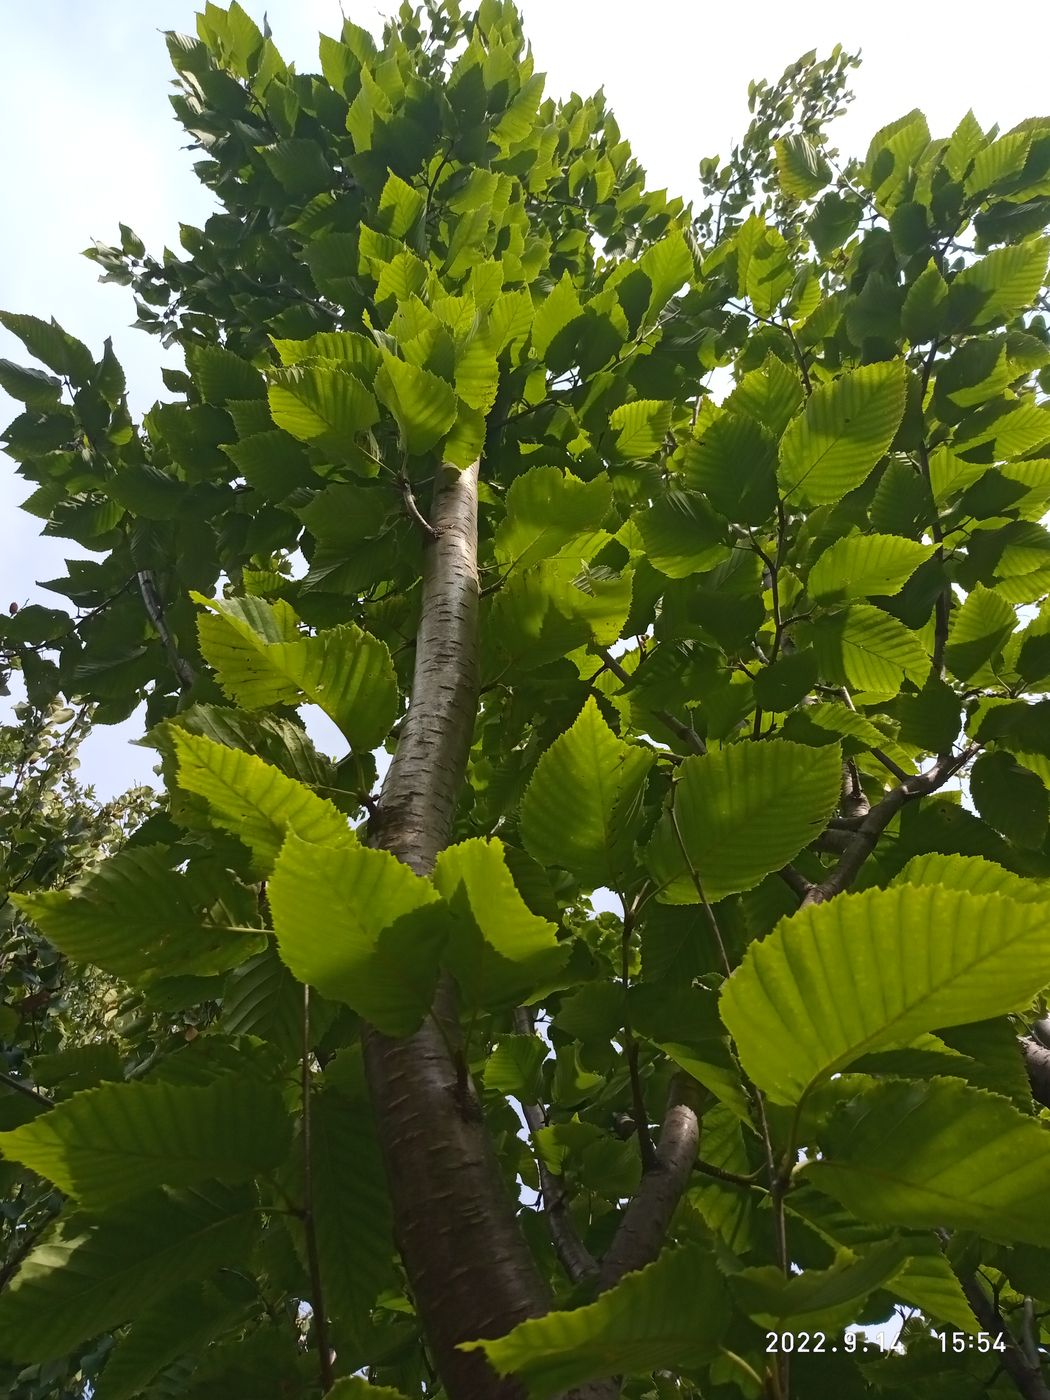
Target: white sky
[[89, 139]]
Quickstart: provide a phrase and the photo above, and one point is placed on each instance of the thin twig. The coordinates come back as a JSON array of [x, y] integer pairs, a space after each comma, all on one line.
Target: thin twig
[[641, 1113], [320, 1318], [733, 1178], [26, 1089], [795, 881], [412, 509], [698, 886], [576, 1259], [155, 610], [943, 604], [688, 736]]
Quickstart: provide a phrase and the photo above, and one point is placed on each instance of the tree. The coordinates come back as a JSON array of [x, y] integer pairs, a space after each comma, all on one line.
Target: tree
[[62, 1027], [728, 661]]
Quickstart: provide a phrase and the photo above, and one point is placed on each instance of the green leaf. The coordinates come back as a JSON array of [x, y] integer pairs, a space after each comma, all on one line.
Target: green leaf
[[998, 161], [939, 1154], [640, 427], [500, 953], [354, 353], [582, 809], [359, 926], [801, 169], [357, 1388], [845, 429], [668, 264], [742, 812], [221, 375], [321, 403], [32, 386], [972, 873], [255, 801], [928, 1282], [138, 899], [105, 1145], [1011, 798], [966, 140], [781, 685], [671, 1314], [866, 648], [274, 463], [261, 998], [351, 1208], [925, 306], [771, 396], [979, 631], [51, 345], [424, 406], [892, 155], [553, 314], [818, 1297], [400, 207], [682, 535], [91, 1273], [477, 375], [931, 719], [997, 286], [514, 1067], [546, 510], [261, 660], [870, 970], [554, 607], [861, 566], [734, 464], [182, 1324]]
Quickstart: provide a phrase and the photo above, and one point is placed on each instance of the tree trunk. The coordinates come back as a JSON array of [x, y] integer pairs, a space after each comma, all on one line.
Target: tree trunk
[[468, 1265]]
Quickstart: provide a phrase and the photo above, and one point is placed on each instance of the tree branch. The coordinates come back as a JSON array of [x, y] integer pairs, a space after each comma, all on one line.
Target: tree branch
[[687, 735], [25, 1089], [412, 509], [155, 610], [1037, 1066], [866, 837], [795, 881], [644, 1225], [1026, 1374], [576, 1259]]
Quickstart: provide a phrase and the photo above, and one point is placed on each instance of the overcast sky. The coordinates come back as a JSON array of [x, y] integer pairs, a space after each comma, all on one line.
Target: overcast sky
[[89, 139]]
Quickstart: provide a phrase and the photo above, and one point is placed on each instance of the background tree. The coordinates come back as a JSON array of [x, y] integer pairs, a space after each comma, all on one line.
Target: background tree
[[63, 1027], [445, 461]]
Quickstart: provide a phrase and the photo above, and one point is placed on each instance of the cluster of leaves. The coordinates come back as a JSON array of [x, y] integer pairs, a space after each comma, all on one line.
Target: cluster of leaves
[[731, 654], [63, 1026]]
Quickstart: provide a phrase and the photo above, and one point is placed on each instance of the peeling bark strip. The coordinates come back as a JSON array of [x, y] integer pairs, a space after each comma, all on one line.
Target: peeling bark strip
[[470, 1271]]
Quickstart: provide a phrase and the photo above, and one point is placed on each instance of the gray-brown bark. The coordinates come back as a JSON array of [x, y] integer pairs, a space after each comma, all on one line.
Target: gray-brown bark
[[469, 1268], [644, 1226], [1037, 1064]]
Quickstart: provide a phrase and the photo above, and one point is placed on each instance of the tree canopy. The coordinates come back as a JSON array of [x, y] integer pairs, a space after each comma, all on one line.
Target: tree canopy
[[692, 558]]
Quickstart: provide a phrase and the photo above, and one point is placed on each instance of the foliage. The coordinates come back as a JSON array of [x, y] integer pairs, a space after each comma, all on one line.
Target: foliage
[[63, 1027], [739, 653]]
